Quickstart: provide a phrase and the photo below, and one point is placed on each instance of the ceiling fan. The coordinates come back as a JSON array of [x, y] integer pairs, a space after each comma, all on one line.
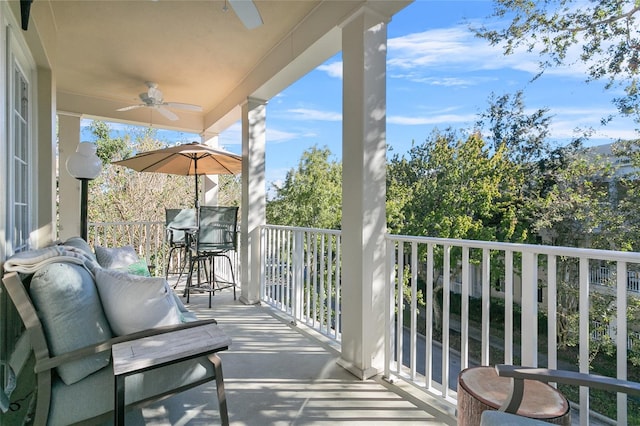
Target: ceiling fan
[[152, 98], [246, 11]]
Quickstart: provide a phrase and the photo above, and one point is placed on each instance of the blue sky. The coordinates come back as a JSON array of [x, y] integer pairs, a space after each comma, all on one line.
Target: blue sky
[[438, 75]]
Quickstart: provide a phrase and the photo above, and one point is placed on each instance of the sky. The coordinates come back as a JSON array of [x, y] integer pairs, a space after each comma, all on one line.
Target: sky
[[439, 75]]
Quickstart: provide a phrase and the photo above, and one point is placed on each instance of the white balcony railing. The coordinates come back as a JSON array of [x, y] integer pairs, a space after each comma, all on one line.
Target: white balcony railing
[[301, 275], [301, 278], [602, 275], [150, 242], [431, 263]]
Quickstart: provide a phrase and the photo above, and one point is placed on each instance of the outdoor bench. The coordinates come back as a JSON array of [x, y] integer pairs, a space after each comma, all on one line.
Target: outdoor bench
[[69, 319]]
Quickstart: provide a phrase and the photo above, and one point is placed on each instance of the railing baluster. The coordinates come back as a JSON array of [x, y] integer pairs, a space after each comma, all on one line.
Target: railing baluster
[[508, 307], [584, 336], [486, 305], [446, 309], [414, 308], [621, 338], [464, 323]]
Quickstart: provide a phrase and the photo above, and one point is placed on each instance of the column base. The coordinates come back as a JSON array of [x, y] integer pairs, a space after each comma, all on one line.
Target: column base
[[247, 301], [357, 371]]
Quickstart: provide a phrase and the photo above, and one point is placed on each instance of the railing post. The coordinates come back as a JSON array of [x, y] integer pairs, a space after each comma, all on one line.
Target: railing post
[[298, 269], [263, 265], [388, 306], [621, 337], [529, 322]]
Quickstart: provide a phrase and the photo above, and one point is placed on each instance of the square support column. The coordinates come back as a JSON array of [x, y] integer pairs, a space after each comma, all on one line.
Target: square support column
[[254, 195], [364, 45], [210, 182]]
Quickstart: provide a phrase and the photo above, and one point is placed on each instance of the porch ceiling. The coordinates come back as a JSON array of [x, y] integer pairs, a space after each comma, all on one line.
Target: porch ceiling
[[103, 51]]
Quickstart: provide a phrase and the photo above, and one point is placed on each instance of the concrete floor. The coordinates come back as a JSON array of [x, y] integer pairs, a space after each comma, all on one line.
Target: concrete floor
[[276, 373]]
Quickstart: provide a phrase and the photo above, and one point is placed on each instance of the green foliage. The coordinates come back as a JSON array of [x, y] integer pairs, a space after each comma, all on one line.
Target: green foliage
[[311, 195], [522, 136], [604, 35], [455, 188]]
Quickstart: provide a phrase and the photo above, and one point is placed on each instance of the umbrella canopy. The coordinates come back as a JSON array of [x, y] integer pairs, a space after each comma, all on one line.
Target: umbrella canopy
[[186, 160]]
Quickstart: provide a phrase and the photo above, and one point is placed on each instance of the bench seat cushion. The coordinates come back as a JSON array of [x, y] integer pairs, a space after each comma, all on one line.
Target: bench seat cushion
[[93, 396]]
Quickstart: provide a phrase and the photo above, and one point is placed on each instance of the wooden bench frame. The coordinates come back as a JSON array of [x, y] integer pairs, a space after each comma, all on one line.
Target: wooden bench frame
[[45, 363]]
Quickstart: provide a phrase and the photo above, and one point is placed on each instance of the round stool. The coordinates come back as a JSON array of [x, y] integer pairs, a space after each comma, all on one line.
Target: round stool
[[480, 389]]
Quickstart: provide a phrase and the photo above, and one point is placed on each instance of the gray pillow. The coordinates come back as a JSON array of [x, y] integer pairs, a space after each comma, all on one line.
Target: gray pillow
[[69, 308], [135, 303], [117, 257]]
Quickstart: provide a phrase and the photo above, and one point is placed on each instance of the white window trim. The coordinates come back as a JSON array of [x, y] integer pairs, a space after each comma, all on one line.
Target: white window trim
[[14, 50]]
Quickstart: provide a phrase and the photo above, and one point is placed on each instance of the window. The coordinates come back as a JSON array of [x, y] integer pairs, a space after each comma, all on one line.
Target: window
[[20, 191], [20, 167]]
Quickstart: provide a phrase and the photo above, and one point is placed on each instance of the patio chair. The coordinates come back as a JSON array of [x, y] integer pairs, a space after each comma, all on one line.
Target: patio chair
[[216, 237], [178, 223], [520, 374]]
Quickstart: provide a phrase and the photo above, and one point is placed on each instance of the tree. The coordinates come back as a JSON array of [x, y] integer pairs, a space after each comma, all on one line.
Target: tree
[[121, 194], [604, 32], [523, 135], [459, 188], [311, 195]]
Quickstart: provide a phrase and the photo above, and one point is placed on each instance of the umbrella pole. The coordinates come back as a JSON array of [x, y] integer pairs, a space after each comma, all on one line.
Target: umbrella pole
[[197, 204]]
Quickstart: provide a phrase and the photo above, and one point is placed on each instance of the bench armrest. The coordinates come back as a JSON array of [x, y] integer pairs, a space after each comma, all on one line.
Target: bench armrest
[[53, 362], [519, 374]]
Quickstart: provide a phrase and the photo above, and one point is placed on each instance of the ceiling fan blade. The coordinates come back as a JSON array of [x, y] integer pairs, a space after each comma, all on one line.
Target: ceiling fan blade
[[178, 105], [130, 107], [247, 12], [167, 114]]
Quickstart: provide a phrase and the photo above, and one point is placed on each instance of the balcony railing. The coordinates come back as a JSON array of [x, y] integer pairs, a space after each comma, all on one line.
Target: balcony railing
[[150, 242], [301, 275], [429, 264], [603, 275], [431, 333]]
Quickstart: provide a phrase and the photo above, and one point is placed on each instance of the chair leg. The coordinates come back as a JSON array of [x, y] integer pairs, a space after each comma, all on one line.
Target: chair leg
[[189, 278], [233, 276], [166, 270], [184, 263], [222, 398], [212, 278]]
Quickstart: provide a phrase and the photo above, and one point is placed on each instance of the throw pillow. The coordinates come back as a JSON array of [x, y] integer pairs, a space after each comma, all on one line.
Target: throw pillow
[[137, 268], [117, 257], [134, 303], [72, 317]]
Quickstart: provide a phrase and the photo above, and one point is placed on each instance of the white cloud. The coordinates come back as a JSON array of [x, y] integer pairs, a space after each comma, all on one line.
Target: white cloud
[[233, 135], [456, 48], [333, 69], [313, 114], [432, 119]]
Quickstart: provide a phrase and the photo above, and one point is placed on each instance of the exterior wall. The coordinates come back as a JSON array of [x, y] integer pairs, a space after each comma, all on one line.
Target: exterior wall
[[23, 49]]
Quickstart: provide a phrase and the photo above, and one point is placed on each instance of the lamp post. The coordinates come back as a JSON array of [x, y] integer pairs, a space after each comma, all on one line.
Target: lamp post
[[84, 165]]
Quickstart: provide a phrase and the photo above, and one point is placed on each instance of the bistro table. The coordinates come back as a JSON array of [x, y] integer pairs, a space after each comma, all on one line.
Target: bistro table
[[168, 348]]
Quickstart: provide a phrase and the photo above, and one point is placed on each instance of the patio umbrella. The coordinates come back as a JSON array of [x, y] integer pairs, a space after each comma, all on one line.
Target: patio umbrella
[[186, 160]]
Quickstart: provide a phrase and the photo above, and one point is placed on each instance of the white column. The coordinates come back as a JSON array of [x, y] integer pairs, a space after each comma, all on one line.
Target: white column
[[253, 204], [210, 182], [69, 191], [364, 42]]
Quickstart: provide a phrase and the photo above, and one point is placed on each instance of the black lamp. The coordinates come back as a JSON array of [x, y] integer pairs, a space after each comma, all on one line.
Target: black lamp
[[84, 165]]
